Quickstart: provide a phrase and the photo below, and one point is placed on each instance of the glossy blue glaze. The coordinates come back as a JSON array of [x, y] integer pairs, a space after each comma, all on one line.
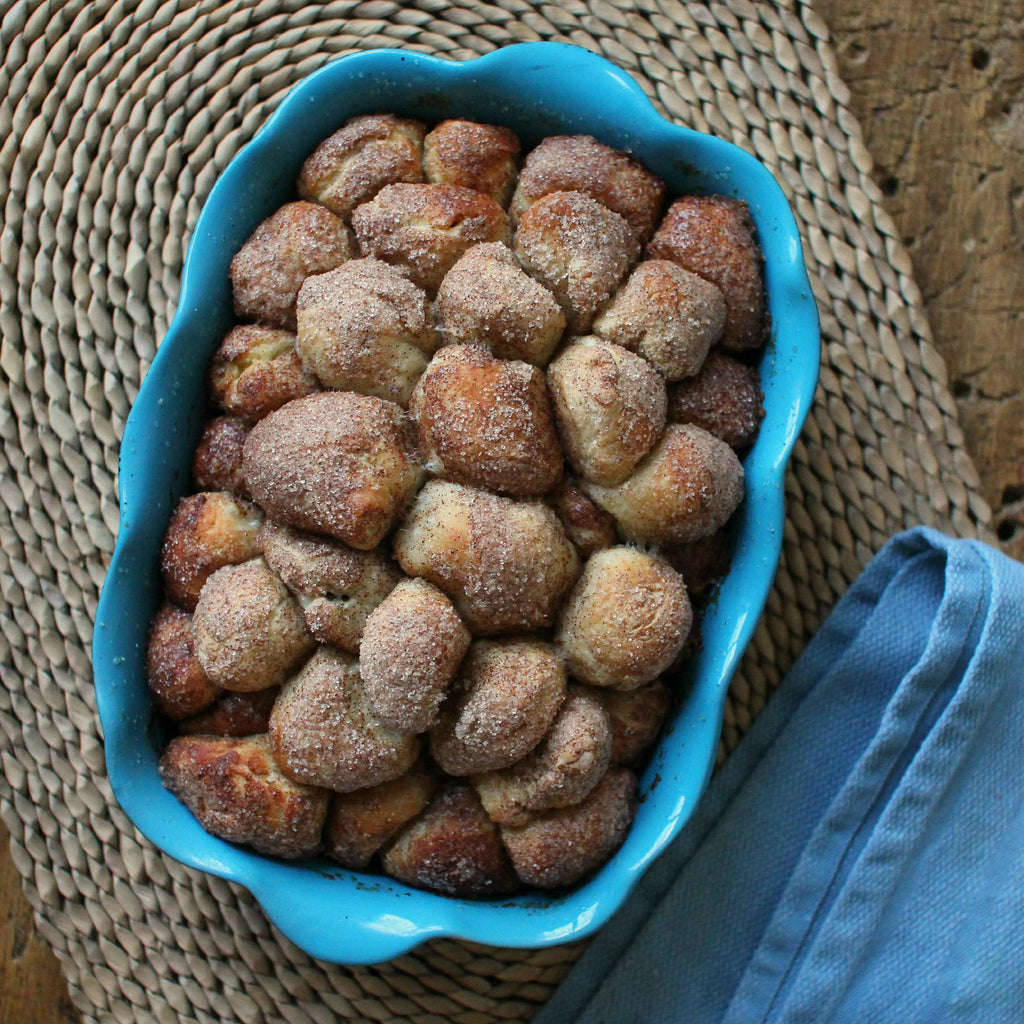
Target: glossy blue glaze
[[537, 89]]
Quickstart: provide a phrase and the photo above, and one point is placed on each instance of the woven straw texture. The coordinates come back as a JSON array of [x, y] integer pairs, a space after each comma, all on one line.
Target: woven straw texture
[[115, 120]]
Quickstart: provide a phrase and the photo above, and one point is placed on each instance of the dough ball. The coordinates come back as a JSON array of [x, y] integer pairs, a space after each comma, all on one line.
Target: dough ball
[[357, 161], [504, 701], [250, 633], [217, 461], [238, 793], [336, 586], [484, 157], [505, 563], [487, 422], [177, 682], [714, 237], [412, 647], [336, 463], [610, 406], [488, 299], [365, 327], [666, 314], [685, 489], [579, 249], [701, 563], [426, 228], [323, 730], [579, 163], [233, 714], [589, 527], [637, 718], [207, 531], [298, 240]]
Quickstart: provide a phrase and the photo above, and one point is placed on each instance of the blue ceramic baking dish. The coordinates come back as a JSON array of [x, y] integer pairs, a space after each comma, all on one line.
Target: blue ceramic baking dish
[[537, 89]]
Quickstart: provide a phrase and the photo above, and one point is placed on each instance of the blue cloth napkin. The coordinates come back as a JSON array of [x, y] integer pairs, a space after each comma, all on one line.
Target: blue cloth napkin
[[859, 859]]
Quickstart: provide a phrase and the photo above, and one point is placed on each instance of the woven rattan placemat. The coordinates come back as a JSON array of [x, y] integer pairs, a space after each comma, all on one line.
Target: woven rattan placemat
[[115, 119]]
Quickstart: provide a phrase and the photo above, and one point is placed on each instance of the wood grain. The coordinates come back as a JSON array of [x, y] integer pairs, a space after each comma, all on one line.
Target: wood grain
[[939, 90]]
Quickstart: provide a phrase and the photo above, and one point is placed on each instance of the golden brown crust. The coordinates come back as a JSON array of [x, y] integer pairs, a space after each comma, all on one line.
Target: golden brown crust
[[579, 163], [488, 299], [567, 764], [610, 407], [505, 563], [323, 730], [724, 398], [701, 563], [336, 586], [238, 793], [588, 527], [637, 718], [250, 633], [504, 701], [357, 161], [177, 683], [714, 237], [685, 489], [412, 646], [296, 241], [207, 531], [233, 714], [579, 249], [217, 461], [487, 422], [426, 228], [666, 314], [484, 157], [562, 846], [625, 621], [452, 848], [365, 327], [336, 463]]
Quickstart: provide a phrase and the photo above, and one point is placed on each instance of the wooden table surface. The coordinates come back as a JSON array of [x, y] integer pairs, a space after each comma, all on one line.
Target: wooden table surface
[[939, 91]]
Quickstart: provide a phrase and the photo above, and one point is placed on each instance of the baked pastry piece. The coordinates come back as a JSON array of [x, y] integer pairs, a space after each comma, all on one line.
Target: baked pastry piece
[[365, 327], [336, 463], [426, 228], [452, 848], [249, 632], [579, 163], [702, 562], [610, 406], [579, 249], [505, 563], [488, 299], [625, 620], [207, 531], [411, 648], [233, 714], [296, 241], [666, 314], [562, 846], [357, 161], [323, 730], [589, 527], [336, 586], [177, 682], [238, 793], [636, 717], [484, 157], [502, 704], [714, 237], [487, 422], [217, 462], [685, 489]]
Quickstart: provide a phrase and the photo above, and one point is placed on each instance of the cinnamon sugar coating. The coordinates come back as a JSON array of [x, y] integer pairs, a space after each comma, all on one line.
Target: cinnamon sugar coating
[[579, 163], [238, 793], [713, 236], [233, 714], [295, 241], [702, 562], [412, 646], [484, 157], [610, 406], [426, 228], [589, 527], [487, 422], [502, 704], [666, 314], [505, 563], [217, 461], [636, 717], [336, 463], [357, 161], [177, 682], [365, 327], [323, 730], [488, 299], [579, 249]]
